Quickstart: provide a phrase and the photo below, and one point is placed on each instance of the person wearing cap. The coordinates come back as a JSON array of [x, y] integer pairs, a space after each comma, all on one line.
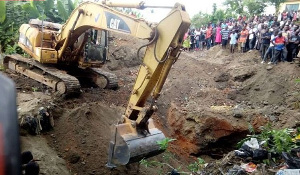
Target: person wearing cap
[[279, 43]]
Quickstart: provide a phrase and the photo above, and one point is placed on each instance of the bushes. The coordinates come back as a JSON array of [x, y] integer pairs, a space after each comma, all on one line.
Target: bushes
[[15, 13]]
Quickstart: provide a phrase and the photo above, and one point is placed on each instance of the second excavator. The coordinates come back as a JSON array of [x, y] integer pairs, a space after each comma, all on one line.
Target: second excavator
[[63, 54]]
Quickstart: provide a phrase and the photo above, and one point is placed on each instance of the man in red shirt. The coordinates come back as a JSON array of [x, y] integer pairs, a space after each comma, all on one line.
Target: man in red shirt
[[279, 45]]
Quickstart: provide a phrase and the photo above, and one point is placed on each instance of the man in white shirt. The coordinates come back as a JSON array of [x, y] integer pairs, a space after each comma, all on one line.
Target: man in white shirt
[[233, 41], [252, 36], [270, 51]]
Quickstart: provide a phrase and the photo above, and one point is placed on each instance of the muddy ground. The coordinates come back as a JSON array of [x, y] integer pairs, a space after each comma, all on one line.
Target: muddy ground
[[207, 104]]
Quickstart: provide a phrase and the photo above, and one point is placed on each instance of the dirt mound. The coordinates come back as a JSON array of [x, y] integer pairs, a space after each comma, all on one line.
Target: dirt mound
[[81, 137], [123, 51], [222, 95]]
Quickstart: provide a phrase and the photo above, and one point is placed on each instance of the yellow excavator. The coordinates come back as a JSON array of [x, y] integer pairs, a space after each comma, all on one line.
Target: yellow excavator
[[63, 54]]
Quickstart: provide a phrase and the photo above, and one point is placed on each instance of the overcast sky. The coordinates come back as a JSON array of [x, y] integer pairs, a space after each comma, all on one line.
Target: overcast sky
[[192, 7]]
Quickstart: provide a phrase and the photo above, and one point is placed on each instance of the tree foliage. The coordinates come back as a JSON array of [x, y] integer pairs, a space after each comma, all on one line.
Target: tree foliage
[[16, 13], [233, 9], [236, 6], [255, 7], [214, 8], [3, 11], [200, 19], [14, 17]]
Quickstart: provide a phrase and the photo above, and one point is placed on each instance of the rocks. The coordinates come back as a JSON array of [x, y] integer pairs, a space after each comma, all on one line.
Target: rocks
[[74, 158], [258, 121], [223, 77], [273, 118], [269, 67], [237, 111], [197, 130], [243, 75], [232, 95]]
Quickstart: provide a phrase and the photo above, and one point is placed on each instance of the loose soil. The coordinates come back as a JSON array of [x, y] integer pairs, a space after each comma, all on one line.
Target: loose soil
[[208, 101]]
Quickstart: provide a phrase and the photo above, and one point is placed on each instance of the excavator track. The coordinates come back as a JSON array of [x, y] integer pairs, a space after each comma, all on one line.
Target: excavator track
[[111, 79], [58, 80]]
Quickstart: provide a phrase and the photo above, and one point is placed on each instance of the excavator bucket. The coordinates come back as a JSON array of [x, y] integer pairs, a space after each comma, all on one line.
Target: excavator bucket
[[128, 145]]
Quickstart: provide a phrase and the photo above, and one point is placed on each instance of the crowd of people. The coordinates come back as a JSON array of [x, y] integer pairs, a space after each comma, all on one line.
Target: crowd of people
[[276, 37]]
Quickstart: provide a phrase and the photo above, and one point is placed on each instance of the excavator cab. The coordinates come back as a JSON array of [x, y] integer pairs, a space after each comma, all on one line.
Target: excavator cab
[[96, 46]]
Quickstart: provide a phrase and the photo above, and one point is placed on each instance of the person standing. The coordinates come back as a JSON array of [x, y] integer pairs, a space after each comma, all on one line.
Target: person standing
[[286, 34], [186, 41], [197, 38], [192, 38], [279, 43], [218, 35], [213, 35], [202, 40], [265, 43], [225, 35], [208, 36], [233, 41], [292, 46], [252, 37], [243, 39], [284, 15], [270, 51]]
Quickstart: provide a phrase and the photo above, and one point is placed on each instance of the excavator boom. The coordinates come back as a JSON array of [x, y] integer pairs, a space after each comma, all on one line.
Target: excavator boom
[[135, 137]]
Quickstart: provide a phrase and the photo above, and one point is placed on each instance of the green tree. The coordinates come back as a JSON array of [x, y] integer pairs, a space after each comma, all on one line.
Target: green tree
[[255, 7], [16, 13], [201, 19], [47, 10], [214, 8], [219, 15], [13, 18], [3, 11], [276, 3], [236, 6]]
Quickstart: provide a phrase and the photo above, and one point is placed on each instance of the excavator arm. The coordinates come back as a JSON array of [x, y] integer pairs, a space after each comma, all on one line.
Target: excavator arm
[[46, 44], [135, 136], [90, 15]]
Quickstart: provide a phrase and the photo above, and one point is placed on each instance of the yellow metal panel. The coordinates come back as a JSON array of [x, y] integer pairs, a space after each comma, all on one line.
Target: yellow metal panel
[[46, 55], [171, 31], [95, 16]]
